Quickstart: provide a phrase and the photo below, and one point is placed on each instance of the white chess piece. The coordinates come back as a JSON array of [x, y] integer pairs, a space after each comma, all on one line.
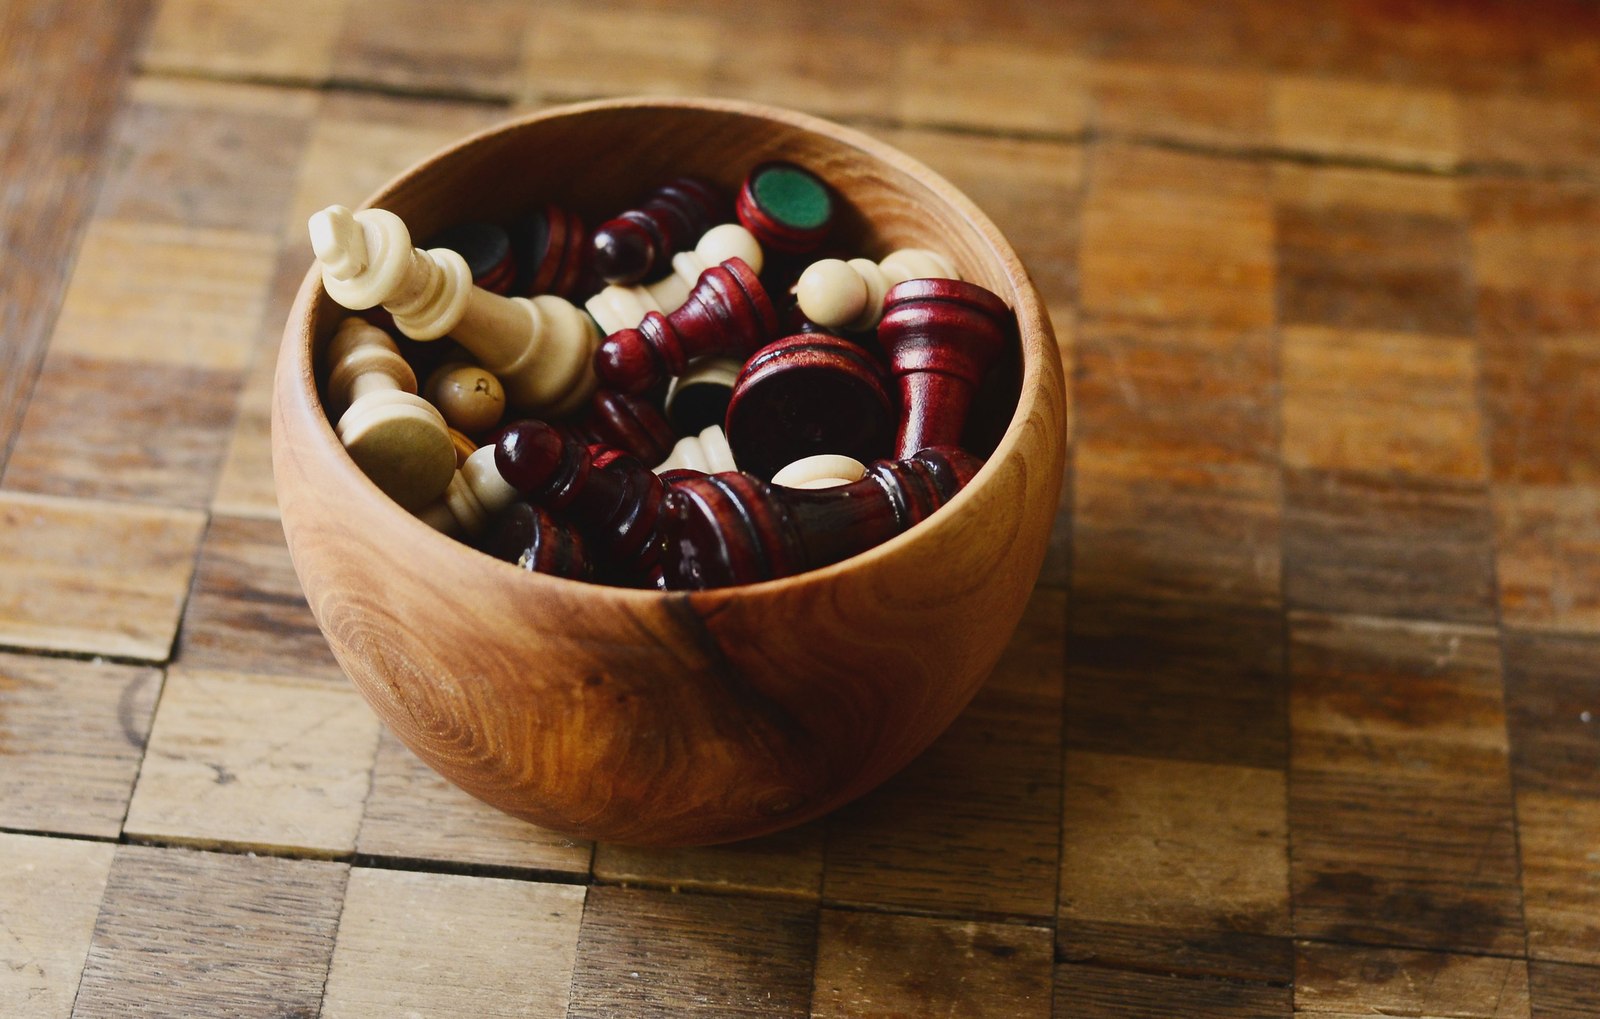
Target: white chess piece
[[618, 307], [821, 470], [541, 349], [849, 295], [707, 452], [476, 493]]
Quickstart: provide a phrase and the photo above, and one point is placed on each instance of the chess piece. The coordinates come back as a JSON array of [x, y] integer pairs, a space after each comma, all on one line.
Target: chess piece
[[640, 243], [550, 247], [735, 529], [728, 312], [821, 470], [464, 447], [616, 507], [624, 307], [699, 397], [487, 249], [940, 336], [470, 398], [849, 295], [396, 437], [629, 423], [787, 207], [475, 494], [706, 452], [541, 349], [533, 539], [805, 394]]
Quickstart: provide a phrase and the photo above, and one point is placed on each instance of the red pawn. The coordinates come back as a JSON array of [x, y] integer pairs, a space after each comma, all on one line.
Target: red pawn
[[616, 507], [940, 337], [530, 537], [728, 312], [731, 528], [640, 243], [629, 423]]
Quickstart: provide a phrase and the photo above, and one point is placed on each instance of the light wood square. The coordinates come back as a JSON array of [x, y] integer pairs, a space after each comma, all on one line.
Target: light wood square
[[48, 902], [440, 944], [94, 577], [788, 863], [1219, 106], [1382, 402], [166, 294], [1548, 556], [992, 86], [1367, 119], [582, 50], [1174, 844], [1559, 839], [1349, 980], [290, 39], [272, 761]]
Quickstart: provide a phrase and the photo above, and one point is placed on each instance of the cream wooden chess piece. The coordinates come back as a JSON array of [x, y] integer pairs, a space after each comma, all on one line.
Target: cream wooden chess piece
[[849, 295], [618, 307], [475, 494], [821, 470], [397, 438], [707, 452], [541, 349]]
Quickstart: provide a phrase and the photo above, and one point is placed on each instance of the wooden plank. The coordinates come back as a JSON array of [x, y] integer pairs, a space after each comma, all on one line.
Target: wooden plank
[[1175, 462], [1541, 398], [1401, 820], [63, 66], [248, 613], [972, 827], [72, 735], [1183, 680], [1210, 953], [274, 762], [1393, 403], [190, 933], [412, 813], [788, 863], [1217, 107], [1548, 556], [1529, 128], [872, 964], [656, 953], [94, 577], [1564, 992], [805, 64], [1177, 238], [1013, 86], [1367, 120], [291, 40], [48, 905], [1085, 992], [1344, 980], [486, 947], [581, 50], [397, 44], [1388, 546], [1175, 846], [1535, 256]]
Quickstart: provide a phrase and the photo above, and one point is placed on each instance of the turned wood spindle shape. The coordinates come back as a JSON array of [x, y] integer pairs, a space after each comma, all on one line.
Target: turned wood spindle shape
[[616, 507], [475, 494], [541, 349], [639, 243], [532, 538], [849, 295], [728, 312], [732, 528], [822, 470], [631, 424], [940, 337], [624, 307], [551, 248], [707, 452], [398, 439], [699, 397]]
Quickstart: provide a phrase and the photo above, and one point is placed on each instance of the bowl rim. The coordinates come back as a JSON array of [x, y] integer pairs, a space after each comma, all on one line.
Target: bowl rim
[[1040, 357]]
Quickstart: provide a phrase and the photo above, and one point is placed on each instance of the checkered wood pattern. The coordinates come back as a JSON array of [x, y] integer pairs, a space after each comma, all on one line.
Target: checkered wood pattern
[[1304, 716]]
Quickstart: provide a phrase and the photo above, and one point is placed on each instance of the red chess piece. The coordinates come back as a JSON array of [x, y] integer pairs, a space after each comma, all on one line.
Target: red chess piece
[[806, 394], [728, 312], [551, 249], [640, 243], [630, 423], [487, 249], [734, 529], [940, 337], [615, 507], [530, 537]]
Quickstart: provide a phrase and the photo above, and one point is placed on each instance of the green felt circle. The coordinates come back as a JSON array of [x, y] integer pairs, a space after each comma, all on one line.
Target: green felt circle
[[793, 197]]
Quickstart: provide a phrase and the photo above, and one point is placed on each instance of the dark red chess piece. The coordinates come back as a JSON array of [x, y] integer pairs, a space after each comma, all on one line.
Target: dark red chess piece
[[640, 243], [732, 528], [728, 312], [806, 394], [940, 337], [616, 507], [487, 251], [530, 537], [632, 424], [786, 207], [551, 248]]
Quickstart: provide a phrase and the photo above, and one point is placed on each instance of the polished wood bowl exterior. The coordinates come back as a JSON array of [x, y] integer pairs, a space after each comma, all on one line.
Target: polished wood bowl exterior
[[672, 718]]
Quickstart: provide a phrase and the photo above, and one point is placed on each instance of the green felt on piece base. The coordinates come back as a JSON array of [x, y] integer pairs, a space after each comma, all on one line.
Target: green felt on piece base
[[793, 197]]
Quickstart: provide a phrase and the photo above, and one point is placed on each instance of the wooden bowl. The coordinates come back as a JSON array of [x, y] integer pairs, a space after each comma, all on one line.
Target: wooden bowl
[[672, 718]]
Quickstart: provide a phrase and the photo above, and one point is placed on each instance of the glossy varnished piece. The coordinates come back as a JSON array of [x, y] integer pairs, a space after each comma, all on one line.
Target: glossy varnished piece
[[639, 244], [650, 717]]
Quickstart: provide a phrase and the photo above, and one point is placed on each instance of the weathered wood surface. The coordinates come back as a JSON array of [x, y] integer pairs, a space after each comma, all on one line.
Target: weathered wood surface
[[1304, 718]]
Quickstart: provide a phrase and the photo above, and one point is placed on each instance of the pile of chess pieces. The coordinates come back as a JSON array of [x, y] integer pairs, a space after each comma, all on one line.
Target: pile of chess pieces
[[690, 396]]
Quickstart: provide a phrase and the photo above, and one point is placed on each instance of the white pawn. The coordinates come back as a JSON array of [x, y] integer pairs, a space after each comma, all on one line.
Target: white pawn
[[822, 470], [616, 307], [704, 376], [541, 349], [396, 437], [849, 295], [707, 452], [476, 492]]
